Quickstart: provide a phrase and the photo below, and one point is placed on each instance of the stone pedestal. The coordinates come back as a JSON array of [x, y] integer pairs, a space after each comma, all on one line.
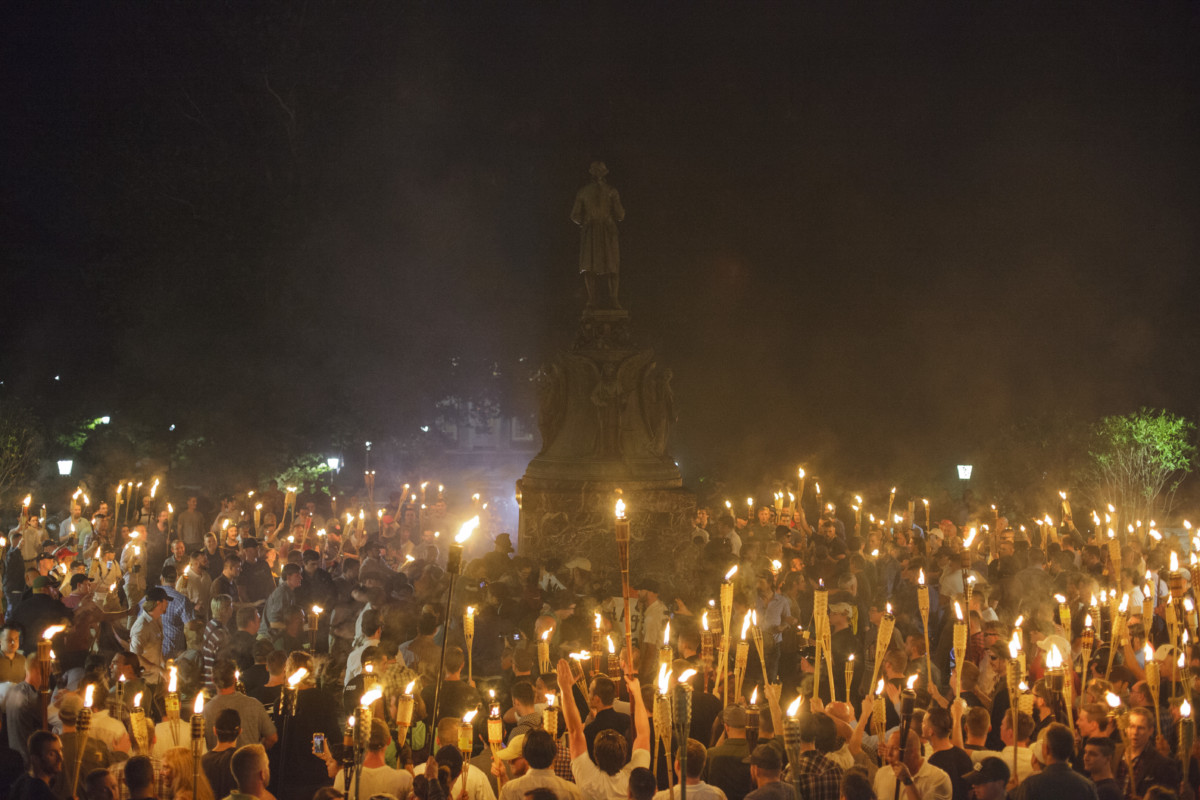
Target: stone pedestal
[[606, 411]]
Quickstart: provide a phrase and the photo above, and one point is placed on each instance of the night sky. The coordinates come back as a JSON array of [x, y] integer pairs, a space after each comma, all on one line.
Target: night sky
[[863, 236]]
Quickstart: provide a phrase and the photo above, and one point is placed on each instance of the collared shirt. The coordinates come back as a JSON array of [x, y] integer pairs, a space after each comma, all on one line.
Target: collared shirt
[[478, 785], [540, 779], [160, 783], [772, 612], [1024, 761], [23, 716], [146, 641], [178, 614], [12, 670], [931, 783], [816, 777], [277, 604], [196, 586], [215, 639]]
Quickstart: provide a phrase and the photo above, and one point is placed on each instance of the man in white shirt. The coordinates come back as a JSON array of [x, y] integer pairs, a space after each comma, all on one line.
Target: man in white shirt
[[376, 776], [919, 779], [1024, 755], [373, 630], [479, 787], [539, 749], [654, 615], [607, 778], [696, 788]]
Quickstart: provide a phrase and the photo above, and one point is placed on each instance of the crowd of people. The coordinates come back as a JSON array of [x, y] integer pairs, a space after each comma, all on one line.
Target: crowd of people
[[271, 619]]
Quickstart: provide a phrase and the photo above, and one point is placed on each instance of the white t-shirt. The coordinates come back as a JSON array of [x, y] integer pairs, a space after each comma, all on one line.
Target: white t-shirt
[[379, 780], [164, 741], [699, 791], [596, 784], [1024, 761], [932, 783], [478, 785], [109, 731]]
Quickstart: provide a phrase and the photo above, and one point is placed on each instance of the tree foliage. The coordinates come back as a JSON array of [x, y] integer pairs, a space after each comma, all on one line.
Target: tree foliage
[[1138, 461], [20, 446]]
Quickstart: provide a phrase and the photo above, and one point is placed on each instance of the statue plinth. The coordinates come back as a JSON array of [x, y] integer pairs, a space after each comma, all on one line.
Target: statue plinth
[[606, 411]]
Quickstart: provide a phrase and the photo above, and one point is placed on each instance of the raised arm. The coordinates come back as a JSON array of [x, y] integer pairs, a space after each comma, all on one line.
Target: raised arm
[[575, 738], [864, 719], [641, 722]]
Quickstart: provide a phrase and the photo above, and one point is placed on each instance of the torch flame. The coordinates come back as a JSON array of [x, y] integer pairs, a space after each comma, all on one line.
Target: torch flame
[[664, 676], [550, 701], [704, 619], [297, 676], [620, 509], [173, 681], [970, 538], [794, 708], [466, 530], [1185, 710], [198, 706], [732, 571], [1087, 621], [745, 625], [546, 634], [912, 681], [370, 696], [469, 717], [921, 576], [686, 675], [1054, 659], [667, 633], [1174, 562], [409, 689], [754, 695], [52, 631], [1014, 646], [1112, 700], [137, 700], [879, 687], [598, 620], [958, 611], [611, 649], [317, 610], [87, 695]]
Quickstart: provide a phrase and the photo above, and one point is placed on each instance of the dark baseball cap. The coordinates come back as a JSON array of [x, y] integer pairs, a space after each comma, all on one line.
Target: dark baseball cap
[[989, 770], [766, 757]]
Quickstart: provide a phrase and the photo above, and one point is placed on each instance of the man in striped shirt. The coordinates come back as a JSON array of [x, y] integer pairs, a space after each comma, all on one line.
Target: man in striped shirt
[[216, 634]]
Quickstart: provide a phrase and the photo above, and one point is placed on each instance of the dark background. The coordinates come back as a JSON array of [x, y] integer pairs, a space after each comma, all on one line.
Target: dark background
[[868, 238]]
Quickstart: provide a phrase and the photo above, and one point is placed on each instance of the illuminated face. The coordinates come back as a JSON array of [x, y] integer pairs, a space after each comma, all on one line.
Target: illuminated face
[[294, 580], [1138, 731], [191, 505], [702, 518], [51, 758], [10, 642], [1086, 726], [764, 516]]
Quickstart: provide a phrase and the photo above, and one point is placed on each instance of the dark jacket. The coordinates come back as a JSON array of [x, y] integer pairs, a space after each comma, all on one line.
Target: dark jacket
[[1056, 782]]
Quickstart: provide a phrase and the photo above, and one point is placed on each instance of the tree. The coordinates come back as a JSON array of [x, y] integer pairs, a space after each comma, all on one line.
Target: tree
[[1138, 461], [20, 444]]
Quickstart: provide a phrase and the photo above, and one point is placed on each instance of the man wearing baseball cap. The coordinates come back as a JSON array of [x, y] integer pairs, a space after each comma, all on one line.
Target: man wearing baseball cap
[[765, 766], [146, 638], [989, 779], [726, 766]]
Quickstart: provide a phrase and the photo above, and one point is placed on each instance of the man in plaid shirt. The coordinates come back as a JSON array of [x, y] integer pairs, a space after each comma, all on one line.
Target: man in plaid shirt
[[216, 634], [813, 775]]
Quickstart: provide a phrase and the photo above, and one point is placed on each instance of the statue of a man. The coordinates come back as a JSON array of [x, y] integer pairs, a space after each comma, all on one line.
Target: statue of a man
[[597, 211]]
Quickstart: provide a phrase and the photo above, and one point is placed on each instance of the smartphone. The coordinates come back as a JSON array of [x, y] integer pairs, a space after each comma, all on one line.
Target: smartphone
[[319, 743]]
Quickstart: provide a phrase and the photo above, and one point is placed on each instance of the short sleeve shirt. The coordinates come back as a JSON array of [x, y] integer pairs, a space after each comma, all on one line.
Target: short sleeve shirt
[[596, 784]]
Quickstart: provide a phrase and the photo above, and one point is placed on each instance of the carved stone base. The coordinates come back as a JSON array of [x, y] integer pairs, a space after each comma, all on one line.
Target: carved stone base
[[568, 519]]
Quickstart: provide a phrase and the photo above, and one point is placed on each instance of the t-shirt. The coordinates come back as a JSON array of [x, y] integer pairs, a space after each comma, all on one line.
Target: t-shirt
[[216, 768], [379, 780], [1024, 761], [775, 790], [596, 784], [256, 725], [955, 762], [698, 791]]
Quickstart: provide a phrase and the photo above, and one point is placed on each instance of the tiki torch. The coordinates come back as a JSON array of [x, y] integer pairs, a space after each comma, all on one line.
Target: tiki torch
[[849, 670], [83, 721], [960, 647], [706, 647], [137, 721], [453, 567], [44, 656], [466, 740], [756, 632], [1153, 682], [1086, 642], [908, 702], [681, 715], [726, 618], [1186, 734], [887, 624], [820, 619], [314, 619], [622, 536], [550, 715], [469, 636], [495, 724], [739, 659], [197, 736], [923, 607], [752, 719], [543, 649]]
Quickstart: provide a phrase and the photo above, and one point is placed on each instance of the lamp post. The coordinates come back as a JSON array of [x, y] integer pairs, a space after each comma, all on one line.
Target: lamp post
[[64, 467]]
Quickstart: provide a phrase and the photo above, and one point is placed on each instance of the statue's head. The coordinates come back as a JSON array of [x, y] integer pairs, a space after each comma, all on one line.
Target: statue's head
[[597, 170]]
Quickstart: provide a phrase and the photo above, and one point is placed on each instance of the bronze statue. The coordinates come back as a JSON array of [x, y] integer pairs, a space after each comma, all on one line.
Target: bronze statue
[[597, 211]]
